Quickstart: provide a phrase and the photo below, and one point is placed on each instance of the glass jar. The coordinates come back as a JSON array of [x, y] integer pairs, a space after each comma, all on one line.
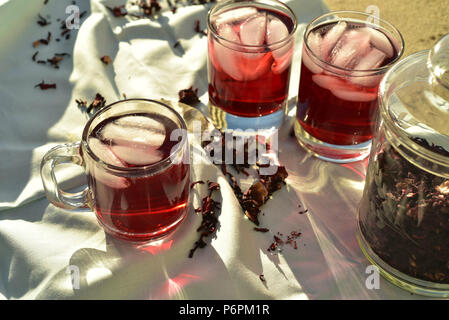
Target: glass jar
[[403, 216]]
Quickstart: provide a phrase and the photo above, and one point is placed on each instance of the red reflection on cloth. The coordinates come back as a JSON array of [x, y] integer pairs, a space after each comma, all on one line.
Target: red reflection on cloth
[[158, 247]]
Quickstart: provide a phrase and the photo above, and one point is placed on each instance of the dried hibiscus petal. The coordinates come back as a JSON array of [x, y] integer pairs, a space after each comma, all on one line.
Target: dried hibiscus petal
[[209, 211], [106, 59], [55, 61], [98, 103], [404, 214], [45, 41], [45, 86], [42, 21], [197, 28], [149, 7], [195, 183], [189, 96], [118, 11]]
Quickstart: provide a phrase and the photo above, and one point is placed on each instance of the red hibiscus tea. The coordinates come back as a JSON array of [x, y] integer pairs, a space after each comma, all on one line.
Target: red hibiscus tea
[[250, 51], [146, 196], [342, 65]]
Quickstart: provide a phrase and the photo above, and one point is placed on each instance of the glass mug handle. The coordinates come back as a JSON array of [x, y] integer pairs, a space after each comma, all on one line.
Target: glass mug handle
[[62, 154]]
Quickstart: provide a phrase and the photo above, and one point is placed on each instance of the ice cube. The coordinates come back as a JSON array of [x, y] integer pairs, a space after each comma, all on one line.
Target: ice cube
[[254, 65], [379, 40], [314, 40], [253, 30], [241, 66], [227, 32], [104, 152], [355, 95], [367, 81], [116, 182], [141, 122], [342, 89], [349, 49], [235, 16], [276, 30], [138, 137], [372, 60], [225, 57], [331, 38], [137, 156], [329, 82], [280, 64]]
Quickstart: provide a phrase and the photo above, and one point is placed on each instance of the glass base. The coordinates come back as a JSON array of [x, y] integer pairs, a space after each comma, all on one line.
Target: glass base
[[223, 120], [398, 278], [331, 152], [143, 238]]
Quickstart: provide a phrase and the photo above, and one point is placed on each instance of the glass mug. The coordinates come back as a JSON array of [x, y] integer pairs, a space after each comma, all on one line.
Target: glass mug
[[137, 177]]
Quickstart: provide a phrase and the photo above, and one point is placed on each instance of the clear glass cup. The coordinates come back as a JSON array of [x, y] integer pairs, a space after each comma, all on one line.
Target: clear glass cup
[[403, 214], [135, 155], [344, 57], [250, 49]]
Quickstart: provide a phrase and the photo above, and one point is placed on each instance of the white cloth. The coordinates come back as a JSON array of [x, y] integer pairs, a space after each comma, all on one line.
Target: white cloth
[[41, 244]]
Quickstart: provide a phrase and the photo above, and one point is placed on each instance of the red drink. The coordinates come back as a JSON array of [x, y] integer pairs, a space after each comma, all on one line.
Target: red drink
[[342, 65], [147, 196], [336, 109], [250, 52]]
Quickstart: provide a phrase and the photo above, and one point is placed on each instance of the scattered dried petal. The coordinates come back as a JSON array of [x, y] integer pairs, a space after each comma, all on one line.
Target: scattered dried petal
[[443, 188], [42, 21], [106, 59], [45, 86], [197, 28], [149, 8], [189, 96], [195, 183], [213, 185], [55, 61], [278, 243], [98, 103], [209, 211], [118, 11], [42, 41]]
